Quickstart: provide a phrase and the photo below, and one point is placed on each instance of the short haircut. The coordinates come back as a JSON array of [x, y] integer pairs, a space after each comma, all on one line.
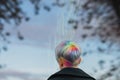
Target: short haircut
[[68, 50]]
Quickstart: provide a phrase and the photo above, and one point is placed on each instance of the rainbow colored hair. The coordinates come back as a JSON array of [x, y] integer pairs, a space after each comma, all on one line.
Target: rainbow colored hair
[[69, 51]]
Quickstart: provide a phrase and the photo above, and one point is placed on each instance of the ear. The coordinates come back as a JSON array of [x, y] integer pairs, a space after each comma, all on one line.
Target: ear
[[77, 62], [60, 62]]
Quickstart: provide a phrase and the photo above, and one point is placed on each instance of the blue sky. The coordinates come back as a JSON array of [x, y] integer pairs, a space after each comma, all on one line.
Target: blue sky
[[42, 33]]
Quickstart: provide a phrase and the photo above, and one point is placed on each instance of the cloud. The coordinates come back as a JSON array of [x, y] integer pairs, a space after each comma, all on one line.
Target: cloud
[[19, 75]]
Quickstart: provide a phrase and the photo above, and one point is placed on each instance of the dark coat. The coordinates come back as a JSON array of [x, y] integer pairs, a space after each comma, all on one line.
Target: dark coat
[[71, 74]]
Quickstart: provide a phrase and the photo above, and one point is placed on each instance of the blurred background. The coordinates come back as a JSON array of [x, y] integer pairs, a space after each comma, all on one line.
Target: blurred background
[[31, 29]]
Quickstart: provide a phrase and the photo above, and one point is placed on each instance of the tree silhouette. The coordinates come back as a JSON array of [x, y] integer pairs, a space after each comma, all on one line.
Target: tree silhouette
[[116, 6], [106, 12], [11, 12]]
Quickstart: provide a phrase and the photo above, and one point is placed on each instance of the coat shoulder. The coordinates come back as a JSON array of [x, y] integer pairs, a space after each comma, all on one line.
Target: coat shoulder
[[70, 74]]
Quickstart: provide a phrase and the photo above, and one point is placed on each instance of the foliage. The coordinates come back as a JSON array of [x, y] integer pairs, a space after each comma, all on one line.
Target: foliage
[[106, 12]]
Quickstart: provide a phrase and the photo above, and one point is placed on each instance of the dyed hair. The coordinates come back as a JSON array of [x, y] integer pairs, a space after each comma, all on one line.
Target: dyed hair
[[69, 51]]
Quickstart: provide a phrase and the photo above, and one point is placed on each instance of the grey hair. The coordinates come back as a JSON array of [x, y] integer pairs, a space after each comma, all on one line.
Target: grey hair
[[68, 50]]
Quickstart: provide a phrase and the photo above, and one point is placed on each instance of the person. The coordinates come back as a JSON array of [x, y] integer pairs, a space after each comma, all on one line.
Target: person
[[68, 57]]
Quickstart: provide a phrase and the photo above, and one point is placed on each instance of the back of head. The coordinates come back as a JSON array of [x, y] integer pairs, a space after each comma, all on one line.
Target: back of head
[[69, 51]]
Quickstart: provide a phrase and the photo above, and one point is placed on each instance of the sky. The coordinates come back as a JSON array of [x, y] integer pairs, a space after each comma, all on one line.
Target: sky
[[35, 55]]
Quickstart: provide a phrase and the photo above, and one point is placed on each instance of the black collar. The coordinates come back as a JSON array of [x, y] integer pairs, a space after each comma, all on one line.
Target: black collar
[[75, 72]]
